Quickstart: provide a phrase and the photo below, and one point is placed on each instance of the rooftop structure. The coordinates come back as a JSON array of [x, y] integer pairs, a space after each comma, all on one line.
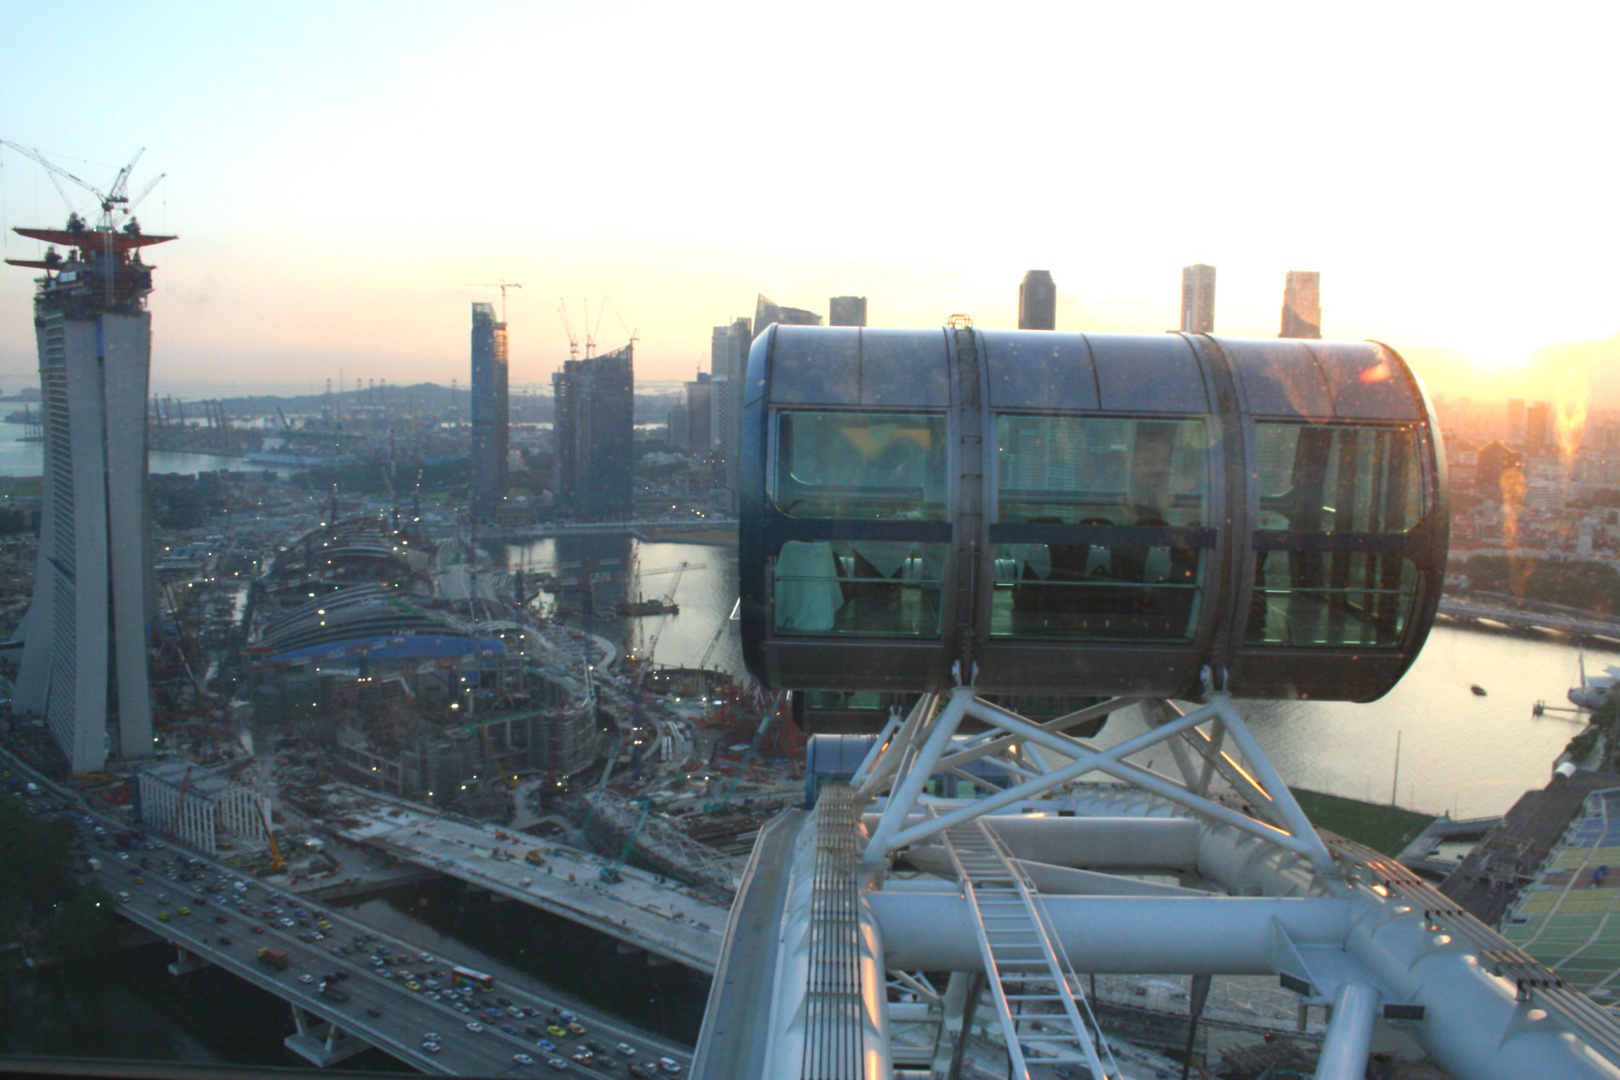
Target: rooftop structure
[[767, 312], [84, 664]]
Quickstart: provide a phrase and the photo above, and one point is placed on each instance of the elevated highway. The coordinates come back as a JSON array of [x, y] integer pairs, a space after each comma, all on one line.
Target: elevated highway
[[643, 910], [227, 928]]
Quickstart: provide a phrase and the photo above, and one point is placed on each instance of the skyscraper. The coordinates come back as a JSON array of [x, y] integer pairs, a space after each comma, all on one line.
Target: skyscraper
[[700, 413], [767, 312], [846, 311], [1198, 299], [1302, 305], [489, 412], [728, 364], [595, 413], [1037, 301], [84, 659]]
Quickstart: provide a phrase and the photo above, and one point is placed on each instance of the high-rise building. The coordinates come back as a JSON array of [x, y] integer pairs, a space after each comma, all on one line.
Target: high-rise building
[[595, 419], [1538, 426], [1516, 420], [846, 311], [728, 363], [84, 658], [1302, 305], [699, 414], [489, 412], [1037, 301], [767, 312], [1198, 299]]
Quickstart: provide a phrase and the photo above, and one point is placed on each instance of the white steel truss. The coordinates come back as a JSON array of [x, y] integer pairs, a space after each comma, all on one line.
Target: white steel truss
[[921, 746]]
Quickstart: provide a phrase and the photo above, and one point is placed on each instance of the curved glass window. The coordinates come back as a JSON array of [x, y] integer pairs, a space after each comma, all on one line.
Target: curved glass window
[[1100, 528], [1336, 506], [865, 467], [861, 466], [1321, 478]]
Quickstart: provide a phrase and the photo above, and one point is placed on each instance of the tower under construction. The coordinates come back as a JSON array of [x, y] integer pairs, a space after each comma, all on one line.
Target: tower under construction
[[84, 660]]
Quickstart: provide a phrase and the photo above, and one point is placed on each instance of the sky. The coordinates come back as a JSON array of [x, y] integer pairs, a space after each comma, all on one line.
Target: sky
[[344, 176]]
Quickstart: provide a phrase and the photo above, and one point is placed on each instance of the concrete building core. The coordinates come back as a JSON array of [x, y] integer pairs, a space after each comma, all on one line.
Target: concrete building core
[[196, 805]]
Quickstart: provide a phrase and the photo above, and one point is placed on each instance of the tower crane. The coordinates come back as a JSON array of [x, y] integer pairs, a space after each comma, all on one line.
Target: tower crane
[[115, 201], [502, 285], [573, 342]]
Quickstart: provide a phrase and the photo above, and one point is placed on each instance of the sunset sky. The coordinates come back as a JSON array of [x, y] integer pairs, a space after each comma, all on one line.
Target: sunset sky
[[338, 173]]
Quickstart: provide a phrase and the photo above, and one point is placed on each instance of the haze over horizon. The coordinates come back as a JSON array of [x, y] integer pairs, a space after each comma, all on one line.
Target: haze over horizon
[[338, 174]]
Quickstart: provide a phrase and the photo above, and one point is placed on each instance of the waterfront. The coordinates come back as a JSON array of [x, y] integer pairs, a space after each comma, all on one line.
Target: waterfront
[[19, 458]]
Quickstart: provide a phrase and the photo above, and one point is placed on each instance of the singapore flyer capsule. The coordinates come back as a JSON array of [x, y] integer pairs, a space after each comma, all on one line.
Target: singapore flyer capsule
[[1033, 512]]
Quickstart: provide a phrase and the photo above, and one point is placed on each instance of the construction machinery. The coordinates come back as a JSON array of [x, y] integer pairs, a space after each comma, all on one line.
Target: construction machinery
[[276, 861], [719, 800], [610, 873]]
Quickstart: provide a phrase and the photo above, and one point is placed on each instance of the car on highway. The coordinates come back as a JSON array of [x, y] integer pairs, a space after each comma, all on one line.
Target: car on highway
[[139, 880], [576, 1028], [182, 910], [669, 1065], [431, 1047], [306, 978], [626, 1049], [430, 1036], [474, 1026], [547, 1045], [556, 1031], [221, 919], [509, 1029], [124, 896], [515, 1012], [523, 1059], [258, 929], [163, 916], [460, 1008], [374, 1011], [557, 1063], [581, 1057], [224, 941], [412, 984]]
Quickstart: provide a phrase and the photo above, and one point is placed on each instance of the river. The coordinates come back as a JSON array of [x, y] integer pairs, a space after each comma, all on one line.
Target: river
[[1459, 752]]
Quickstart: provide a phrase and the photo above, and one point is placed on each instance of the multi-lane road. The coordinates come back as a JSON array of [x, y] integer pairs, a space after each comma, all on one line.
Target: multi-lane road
[[227, 926]]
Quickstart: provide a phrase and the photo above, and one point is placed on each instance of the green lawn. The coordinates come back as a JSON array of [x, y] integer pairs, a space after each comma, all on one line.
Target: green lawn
[[1383, 828]]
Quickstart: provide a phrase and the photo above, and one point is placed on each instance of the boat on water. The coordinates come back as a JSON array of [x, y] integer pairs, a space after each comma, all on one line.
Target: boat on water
[[1597, 691]]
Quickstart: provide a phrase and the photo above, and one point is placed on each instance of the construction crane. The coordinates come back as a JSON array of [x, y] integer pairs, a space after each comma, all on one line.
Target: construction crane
[[718, 802], [610, 874], [573, 341], [276, 861], [631, 334], [502, 285], [115, 201]]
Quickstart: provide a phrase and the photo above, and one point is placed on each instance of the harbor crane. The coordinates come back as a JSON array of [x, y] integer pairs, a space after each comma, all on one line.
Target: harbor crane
[[502, 285]]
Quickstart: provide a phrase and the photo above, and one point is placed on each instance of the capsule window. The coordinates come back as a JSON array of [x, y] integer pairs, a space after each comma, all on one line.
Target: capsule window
[[858, 588], [1331, 598], [861, 466], [1321, 478], [1099, 527]]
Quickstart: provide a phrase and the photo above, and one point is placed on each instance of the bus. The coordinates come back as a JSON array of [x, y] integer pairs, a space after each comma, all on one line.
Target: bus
[[467, 976]]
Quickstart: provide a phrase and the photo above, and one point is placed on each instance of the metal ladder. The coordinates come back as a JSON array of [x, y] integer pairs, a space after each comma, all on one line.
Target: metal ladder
[[1023, 961]]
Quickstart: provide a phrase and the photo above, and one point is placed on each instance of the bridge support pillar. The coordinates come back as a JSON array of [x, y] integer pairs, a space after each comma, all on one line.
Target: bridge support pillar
[[185, 962], [321, 1043]]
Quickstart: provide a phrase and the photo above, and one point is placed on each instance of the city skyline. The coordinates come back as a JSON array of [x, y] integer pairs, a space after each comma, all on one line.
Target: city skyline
[[315, 197]]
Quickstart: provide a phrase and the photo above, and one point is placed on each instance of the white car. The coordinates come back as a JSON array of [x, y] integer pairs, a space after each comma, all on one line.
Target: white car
[[124, 896], [431, 1036], [523, 1059], [474, 1026], [306, 978]]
